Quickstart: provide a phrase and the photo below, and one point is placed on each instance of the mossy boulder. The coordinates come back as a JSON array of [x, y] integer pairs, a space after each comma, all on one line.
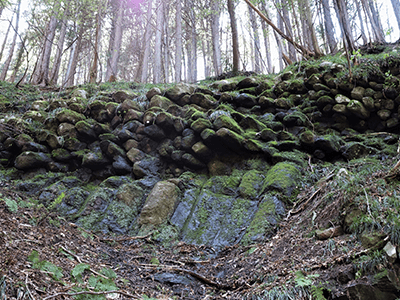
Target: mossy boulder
[[160, 204], [178, 91], [283, 177], [227, 122], [263, 224], [358, 109], [160, 101], [30, 160], [204, 100], [230, 138], [250, 184], [69, 116]]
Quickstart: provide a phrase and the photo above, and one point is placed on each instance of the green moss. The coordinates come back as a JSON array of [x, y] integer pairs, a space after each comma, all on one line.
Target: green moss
[[283, 177], [295, 156], [227, 122], [260, 226], [250, 184]]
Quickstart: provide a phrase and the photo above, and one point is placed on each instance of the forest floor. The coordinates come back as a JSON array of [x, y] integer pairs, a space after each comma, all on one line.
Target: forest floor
[[43, 256]]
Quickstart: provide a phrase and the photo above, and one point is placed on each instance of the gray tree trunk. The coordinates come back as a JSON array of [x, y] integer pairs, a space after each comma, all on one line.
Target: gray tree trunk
[[6, 38], [115, 42], [7, 63], [396, 9], [43, 74], [363, 36], [60, 45], [267, 46], [256, 40], [146, 44], [178, 39], [73, 60], [235, 37], [158, 43], [329, 28], [216, 45]]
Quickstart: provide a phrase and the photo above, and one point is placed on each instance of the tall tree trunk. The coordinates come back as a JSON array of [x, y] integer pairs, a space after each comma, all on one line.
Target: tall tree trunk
[[216, 45], [329, 28], [396, 10], [158, 42], [267, 46], [11, 52], [18, 60], [288, 28], [341, 10], [60, 45], [73, 59], [178, 45], [380, 36], [146, 45], [256, 39], [94, 66], [43, 74], [115, 42], [166, 47], [235, 37], [308, 17], [6, 38]]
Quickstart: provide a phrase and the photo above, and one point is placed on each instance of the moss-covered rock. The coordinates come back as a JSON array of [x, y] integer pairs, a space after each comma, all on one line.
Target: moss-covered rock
[[29, 160], [283, 177], [69, 116], [160, 204], [227, 122]]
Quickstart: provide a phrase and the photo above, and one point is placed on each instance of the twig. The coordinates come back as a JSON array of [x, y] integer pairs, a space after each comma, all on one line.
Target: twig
[[368, 208], [80, 261], [291, 212], [194, 274], [91, 293], [128, 238], [27, 288]]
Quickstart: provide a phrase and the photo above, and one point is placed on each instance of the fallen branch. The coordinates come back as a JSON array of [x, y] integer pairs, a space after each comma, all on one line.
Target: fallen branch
[[194, 274], [92, 293], [304, 51], [128, 238]]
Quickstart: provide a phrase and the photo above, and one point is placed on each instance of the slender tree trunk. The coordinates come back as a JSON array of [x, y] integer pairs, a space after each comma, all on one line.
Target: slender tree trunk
[[235, 37], [73, 59], [267, 45], [360, 19], [166, 47], [341, 10], [396, 10], [158, 43], [380, 36], [178, 39], [216, 45], [60, 45], [43, 74], [329, 28], [6, 38], [115, 42], [288, 28], [94, 66], [146, 45], [256, 39], [11, 52], [18, 60]]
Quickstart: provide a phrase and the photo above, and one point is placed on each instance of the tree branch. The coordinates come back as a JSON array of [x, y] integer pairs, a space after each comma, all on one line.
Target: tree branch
[[303, 50]]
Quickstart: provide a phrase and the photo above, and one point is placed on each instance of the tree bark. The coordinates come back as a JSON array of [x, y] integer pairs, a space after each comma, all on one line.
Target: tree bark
[[216, 45], [329, 28], [396, 10], [73, 59], [360, 19], [94, 66], [267, 46], [305, 51], [6, 38], [178, 41], [235, 37], [115, 42], [158, 43], [256, 42], [60, 45], [11, 52], [43, 74], [18, 60], [341, 10], [146, 45]]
